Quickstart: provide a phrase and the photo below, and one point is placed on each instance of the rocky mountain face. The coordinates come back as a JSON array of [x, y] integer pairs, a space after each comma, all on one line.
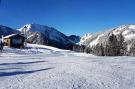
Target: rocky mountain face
[[4, 30], [40, 34], [113, 42]]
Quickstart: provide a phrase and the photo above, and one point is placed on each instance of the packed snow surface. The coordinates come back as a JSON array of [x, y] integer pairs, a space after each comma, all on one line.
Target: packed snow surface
[[44, 67]]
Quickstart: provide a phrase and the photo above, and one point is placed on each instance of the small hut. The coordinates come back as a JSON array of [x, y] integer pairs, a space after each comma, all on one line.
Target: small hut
[[14, 40]]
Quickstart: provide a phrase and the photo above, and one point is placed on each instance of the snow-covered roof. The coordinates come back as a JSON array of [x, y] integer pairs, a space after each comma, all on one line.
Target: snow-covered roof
[[11, 35]]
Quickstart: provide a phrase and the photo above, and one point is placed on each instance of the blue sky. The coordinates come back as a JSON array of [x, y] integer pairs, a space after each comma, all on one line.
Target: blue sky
[[68, 16]]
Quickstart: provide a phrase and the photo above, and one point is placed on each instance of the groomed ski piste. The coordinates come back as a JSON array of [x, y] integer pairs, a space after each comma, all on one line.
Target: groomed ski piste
[[44, 67]]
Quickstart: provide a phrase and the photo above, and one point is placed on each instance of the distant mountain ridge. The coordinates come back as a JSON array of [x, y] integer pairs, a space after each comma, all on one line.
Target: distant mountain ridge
[[4, 30], [74, 38]]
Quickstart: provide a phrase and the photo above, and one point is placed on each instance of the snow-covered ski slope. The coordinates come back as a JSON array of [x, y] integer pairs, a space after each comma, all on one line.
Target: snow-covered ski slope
[[43, 67]]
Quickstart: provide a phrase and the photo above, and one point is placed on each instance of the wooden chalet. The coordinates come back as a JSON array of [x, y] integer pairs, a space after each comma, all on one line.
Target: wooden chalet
[[14, 40]]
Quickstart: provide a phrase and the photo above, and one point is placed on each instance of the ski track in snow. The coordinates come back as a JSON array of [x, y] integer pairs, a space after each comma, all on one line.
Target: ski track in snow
[[48, 69]]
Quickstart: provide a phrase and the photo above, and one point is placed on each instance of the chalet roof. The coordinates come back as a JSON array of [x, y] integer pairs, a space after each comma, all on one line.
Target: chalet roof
[[9, 36]]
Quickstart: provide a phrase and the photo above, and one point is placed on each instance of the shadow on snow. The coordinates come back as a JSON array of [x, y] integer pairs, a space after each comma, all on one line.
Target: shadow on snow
[[3, 74], [10, 68], [21, 63]]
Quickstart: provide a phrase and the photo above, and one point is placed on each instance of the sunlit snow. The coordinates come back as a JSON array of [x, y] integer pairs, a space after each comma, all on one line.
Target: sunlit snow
[[44, 67]]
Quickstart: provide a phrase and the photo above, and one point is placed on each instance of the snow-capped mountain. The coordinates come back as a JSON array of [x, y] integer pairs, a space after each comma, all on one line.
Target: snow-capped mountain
[[40, 34], [128, 32], [115, 41], [4, 30]]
